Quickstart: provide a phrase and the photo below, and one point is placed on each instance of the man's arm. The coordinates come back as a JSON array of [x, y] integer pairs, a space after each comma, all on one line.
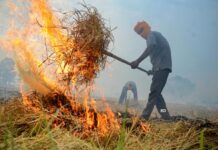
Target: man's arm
[[145, 54], [151, 44]]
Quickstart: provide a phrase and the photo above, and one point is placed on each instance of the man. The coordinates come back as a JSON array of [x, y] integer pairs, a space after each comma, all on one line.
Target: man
[[130, 85], [159, 52]]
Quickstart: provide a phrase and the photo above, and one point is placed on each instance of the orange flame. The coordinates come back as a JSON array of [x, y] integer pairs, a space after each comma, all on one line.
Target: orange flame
[[26, 43]]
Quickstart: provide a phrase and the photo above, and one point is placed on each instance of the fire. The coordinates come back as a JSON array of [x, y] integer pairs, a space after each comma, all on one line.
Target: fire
[[29, 38], [145, 127], [54, 35]]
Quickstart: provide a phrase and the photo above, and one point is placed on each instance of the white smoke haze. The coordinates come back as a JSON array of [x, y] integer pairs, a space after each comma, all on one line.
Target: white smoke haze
[[179, 87]]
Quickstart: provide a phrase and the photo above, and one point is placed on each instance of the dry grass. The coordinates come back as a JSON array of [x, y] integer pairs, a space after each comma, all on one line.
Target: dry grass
[[21, 128], [84, 40]]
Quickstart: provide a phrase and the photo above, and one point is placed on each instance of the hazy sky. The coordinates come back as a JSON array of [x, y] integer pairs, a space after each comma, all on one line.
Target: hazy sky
[[189, 25]]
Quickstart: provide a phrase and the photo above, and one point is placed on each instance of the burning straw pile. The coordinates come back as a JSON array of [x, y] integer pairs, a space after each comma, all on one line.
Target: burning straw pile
[[81, 55], [91, 38], [75, 44]]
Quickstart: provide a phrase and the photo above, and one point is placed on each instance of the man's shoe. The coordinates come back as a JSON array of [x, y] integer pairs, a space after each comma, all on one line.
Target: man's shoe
[[167, 119], [146, 118]]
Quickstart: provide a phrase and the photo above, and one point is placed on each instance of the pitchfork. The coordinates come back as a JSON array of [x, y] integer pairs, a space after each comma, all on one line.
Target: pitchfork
[[123, 61]]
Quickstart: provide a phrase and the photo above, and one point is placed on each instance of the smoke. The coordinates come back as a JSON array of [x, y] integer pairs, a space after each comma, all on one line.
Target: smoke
[[2, 54], [183, 90], [180, 90], [20, 40], [179, 87]]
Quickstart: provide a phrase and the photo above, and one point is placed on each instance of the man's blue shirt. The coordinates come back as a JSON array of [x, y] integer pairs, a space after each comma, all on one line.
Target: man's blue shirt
[[160, 54]]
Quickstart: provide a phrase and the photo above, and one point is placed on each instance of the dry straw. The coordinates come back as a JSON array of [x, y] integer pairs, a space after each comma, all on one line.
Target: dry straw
[[82, 55]]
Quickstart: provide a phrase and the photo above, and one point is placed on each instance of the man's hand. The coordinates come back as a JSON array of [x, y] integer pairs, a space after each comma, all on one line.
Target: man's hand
[[150, 72], [134, 64]]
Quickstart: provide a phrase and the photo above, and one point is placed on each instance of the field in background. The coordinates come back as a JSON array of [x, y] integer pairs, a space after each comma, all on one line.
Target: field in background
[[9, 92], [188, 110]]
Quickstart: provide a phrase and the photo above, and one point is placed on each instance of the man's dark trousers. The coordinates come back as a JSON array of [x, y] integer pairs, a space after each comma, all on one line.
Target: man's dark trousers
[[155, 97]]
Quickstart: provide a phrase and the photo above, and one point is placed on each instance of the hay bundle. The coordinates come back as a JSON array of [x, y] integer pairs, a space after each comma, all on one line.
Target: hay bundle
[[82, 54]]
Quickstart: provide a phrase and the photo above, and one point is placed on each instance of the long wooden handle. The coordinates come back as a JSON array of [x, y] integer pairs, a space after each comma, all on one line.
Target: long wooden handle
[[123, 60]]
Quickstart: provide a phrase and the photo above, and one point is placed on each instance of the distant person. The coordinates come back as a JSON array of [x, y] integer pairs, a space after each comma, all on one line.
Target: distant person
[[159, 52], [130, 85]]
